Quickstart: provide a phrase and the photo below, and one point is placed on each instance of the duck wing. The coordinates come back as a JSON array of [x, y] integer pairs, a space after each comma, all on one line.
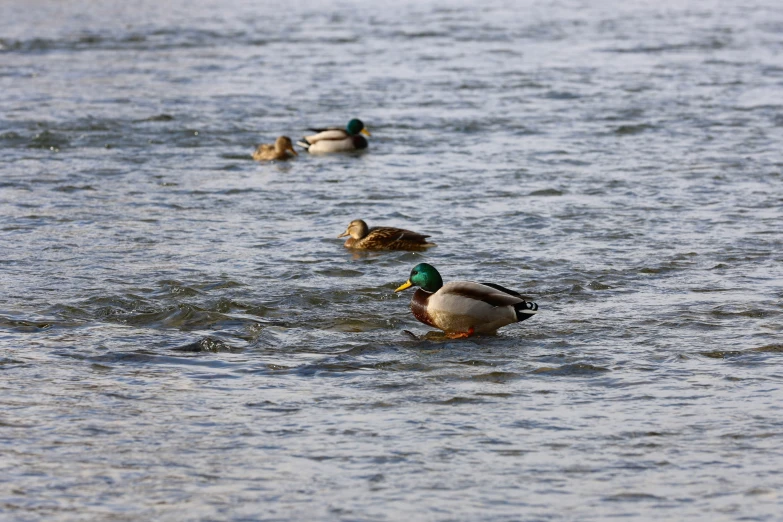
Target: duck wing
[[524, 308], [503, 289], [398, 234], [264, 152], [324, 129], [491, 294], [395, 239], [326, 134]]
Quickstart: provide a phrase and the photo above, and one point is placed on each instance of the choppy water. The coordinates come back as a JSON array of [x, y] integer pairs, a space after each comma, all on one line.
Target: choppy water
[[183, 337]]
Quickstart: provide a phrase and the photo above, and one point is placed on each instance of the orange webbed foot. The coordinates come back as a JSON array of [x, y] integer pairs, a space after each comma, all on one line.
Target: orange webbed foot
[[460, 335]]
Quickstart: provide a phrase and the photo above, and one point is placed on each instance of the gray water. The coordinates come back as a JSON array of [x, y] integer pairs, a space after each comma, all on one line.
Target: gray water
[[182, 336]]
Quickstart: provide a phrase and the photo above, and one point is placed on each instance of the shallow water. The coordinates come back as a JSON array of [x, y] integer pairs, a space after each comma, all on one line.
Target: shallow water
[[182, 336]]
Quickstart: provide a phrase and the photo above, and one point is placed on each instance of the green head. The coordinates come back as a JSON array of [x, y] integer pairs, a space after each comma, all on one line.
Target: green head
[[425, 277], [356, 126]]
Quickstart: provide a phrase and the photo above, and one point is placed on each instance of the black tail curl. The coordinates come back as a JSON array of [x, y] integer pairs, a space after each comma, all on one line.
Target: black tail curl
[[525, 310]]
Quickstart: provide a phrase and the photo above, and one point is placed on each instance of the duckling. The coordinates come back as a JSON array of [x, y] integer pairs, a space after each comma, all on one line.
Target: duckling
[[383, 238], [278, 151]]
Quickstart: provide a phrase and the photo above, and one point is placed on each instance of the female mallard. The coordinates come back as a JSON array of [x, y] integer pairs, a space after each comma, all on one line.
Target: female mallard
[[335, 139], [383, 238], [278, 151], [462, 308]]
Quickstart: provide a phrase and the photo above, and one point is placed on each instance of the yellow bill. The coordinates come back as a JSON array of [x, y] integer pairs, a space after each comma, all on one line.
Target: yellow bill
[[366, 132], [406, 284]]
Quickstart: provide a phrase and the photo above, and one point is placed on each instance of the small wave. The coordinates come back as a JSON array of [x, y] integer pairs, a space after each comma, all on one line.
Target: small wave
[[561, 95], [496, 377], [722, 354], [705, 45], [572, 370], [158, 117], [461, 400], [48, 140], [207, 344], [625, 130], [632, 497], [769, 348], [547, 192]]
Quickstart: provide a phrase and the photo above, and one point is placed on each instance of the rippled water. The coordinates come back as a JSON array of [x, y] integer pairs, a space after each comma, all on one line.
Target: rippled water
[[182, 336]]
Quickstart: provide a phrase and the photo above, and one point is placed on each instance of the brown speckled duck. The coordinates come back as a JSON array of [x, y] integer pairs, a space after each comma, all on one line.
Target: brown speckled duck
[[279, 151], [464, 308], [383, 238]]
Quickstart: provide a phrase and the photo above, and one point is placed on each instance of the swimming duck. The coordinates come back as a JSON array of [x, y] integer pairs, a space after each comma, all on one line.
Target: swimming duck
[[462, 308], [278, 151], [354, 127], [336, 139], [327, 146], [383, 238]]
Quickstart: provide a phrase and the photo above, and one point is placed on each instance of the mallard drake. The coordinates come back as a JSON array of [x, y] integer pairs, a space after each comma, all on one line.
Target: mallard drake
[[278, 151], [335, 139], [354, 127], [462, 308], [383, 238]]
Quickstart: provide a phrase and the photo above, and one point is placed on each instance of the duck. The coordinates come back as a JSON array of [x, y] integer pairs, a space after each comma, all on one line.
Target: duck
[[464, 308], [354, 127], [278, 151], [327, 146], [383, 238], [336, 139]]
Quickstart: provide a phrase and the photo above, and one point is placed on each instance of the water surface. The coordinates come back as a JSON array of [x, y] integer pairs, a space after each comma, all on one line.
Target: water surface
[[183, 337]]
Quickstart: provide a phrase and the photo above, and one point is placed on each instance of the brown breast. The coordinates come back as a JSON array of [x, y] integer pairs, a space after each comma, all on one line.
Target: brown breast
[[419, 306]]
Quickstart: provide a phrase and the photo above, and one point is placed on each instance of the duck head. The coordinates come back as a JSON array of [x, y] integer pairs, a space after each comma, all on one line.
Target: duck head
[[425, 277], [355, 126], [357, 229], [283, 143]]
